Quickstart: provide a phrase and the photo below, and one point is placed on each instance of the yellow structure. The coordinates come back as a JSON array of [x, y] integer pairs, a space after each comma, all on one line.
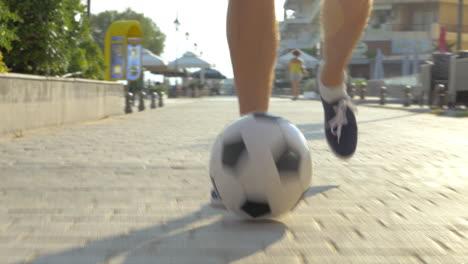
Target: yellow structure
[[123, 50], [448, 17]]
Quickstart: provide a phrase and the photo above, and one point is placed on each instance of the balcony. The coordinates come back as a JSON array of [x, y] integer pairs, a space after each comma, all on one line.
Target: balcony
[[405, 1], [300, 43]]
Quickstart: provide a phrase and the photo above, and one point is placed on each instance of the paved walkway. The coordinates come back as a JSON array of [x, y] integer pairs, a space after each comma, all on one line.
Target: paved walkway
[[134, 189]]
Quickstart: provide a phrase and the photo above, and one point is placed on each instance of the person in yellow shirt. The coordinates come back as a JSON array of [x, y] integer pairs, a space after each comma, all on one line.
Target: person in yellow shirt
[[296, 70]]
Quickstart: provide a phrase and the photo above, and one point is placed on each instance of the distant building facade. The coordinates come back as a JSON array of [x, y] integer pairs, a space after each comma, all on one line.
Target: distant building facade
[[399, 28]]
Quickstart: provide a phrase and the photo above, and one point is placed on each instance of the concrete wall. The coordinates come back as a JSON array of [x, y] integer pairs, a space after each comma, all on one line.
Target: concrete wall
[[28, 101]]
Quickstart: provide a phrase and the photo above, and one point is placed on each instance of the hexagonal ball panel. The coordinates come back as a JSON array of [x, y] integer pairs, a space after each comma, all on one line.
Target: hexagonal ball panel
[[232, 152], [288, 161], [256, 209]]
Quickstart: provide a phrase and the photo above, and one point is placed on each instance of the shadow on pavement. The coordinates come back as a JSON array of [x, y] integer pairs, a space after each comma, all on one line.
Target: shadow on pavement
[[312, 191], [312, 131], [392, 104], [385, 119], [189, 239]]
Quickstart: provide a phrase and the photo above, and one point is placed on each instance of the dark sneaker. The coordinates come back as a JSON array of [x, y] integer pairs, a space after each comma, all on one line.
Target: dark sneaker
[[215, 200], [340, 127]]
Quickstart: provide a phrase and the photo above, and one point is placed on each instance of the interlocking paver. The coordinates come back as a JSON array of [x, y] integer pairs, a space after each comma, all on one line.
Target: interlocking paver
[[134, 189]]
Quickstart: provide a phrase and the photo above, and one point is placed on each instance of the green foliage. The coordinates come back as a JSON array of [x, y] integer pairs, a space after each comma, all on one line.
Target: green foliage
[[311, 85], [359, 81], [3, 67], [95, 66], [371, 54], [85, 55], [450, 46], [7, 34], [158, 89], [312, 51], [462, 114], [153, 38], [42, 49], [53, 38]]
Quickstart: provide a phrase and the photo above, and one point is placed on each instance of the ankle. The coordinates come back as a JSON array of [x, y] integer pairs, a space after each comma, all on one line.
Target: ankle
[[334, 89], [331, 77]]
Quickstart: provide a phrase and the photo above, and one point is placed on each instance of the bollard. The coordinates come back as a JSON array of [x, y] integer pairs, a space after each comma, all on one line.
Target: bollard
[[352, 90], [407, 100], [128, 103], [141, 106], [383, 94], [441, 89], [154, 97], [363, 90], [421, 99], [161, 99]]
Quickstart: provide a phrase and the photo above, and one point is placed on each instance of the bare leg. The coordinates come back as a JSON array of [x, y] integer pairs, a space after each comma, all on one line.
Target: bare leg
[[253, 41], [295, 88], [343, 23]]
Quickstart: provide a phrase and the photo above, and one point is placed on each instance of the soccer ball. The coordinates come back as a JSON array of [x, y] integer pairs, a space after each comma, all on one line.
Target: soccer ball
[[260, 166]]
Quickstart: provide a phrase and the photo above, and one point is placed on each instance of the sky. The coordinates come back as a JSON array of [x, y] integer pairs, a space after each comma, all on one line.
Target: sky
[[204, 20]]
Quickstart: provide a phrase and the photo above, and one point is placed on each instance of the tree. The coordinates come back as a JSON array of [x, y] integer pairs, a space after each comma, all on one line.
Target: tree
[[55, 39], [85, 55], [153, 38], [8, 33]]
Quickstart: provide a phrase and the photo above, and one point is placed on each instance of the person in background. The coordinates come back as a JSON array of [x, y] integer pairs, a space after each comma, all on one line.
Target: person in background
[[296, 69]]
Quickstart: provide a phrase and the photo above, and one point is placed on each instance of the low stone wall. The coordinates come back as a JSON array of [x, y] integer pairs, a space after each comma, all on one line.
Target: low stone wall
[[28, 101]]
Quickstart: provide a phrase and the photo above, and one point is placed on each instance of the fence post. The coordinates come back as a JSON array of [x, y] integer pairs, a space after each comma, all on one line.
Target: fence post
[[153, 99], [161, 99], [442, 90], [141, 106], [407, 100], [363, 90], [352, 90], [128, 103], [383, 94]]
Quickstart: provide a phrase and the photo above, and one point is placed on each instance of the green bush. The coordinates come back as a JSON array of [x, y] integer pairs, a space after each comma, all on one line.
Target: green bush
[[359, 81], [50, 37], [311, 85], [158, 89], [3, 67], [462, 114]]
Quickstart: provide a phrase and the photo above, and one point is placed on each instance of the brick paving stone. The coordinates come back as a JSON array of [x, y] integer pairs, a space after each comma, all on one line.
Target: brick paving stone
[[134, 189]]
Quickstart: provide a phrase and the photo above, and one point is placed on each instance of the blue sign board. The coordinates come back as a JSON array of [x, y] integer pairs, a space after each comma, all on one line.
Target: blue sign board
[[117, 60], [133, 62]]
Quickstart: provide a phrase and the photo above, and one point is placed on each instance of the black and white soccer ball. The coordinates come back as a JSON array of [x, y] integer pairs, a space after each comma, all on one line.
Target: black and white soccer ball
[[260, 166]]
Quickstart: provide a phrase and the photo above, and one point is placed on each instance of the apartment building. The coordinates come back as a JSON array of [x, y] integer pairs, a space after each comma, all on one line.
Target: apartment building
[[300, 28], [399, 28]]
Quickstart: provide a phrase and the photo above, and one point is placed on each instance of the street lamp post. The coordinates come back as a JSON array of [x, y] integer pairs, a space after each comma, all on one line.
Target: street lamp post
[[460, 24], [88, 8], [177, 24]]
